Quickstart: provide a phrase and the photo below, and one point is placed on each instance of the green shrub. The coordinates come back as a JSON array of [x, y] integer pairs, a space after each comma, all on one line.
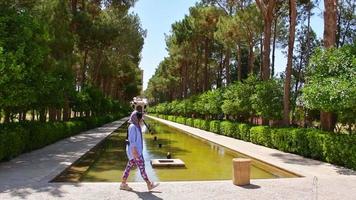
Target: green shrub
[[163, 117], [228, 128], [204, 125], [75, 127], [189, 122], [244, 131], [181, 120], [261, 135], [283, 139], [340, 150], [13, 141], [171, 118], [16, 138], [316, 140], [196, 123], [214, 126]]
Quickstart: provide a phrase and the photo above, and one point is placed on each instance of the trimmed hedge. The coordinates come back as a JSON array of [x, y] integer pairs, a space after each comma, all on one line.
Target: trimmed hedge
[[181, 120], [261, 135], [244, 131], [340, 149], [214, 126], [189, 122], [334, 148], [17, 138], [171, 118], [205, 125], [201, 124], [196, 123], [14, 140], [228, 128]]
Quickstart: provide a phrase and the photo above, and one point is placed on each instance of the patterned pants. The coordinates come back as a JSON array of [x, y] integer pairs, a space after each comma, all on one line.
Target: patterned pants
[[140, 163]]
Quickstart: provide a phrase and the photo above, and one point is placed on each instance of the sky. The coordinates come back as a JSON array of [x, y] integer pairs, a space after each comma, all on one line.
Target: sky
[[157, 16]]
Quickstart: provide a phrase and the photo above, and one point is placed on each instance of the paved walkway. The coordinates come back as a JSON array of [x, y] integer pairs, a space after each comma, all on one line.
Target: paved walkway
[[28, 176]]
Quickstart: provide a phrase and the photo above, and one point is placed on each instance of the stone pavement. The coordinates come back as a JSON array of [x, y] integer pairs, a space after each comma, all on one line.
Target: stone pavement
[[28, 176]]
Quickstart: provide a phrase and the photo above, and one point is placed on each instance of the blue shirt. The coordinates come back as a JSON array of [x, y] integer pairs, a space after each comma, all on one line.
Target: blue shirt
[[135, 139]]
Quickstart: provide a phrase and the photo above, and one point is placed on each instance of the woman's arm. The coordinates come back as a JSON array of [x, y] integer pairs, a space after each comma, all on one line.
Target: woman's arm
[[133, 135]]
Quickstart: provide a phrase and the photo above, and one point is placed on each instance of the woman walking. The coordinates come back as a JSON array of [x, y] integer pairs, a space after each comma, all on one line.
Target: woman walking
[[134, 149]]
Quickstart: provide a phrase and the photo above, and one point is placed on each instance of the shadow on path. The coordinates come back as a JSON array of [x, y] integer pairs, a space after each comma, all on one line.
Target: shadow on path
[[147, 195], [251, 186], [299, 160]]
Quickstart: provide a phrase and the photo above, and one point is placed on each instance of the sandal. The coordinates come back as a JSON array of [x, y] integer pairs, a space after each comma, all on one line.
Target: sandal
[[125, 187], [152, 185]]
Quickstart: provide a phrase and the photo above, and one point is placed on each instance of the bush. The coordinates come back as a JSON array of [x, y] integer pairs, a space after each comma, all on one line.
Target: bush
[[340, 149], [285, 139], [244, 131], [189, 122], [204, 125], [171, 118], [228, 128], [17, 138], [13, 141], [261, 135], [214, 126], [181, 120], [75, 126], [197, 122], [316, 139]]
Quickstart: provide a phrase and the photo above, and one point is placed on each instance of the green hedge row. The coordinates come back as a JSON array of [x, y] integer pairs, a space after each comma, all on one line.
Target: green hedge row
[[334, 148], [17, 138]]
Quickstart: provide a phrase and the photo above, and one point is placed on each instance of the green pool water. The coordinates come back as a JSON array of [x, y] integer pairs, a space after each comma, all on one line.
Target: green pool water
[[203, 160]]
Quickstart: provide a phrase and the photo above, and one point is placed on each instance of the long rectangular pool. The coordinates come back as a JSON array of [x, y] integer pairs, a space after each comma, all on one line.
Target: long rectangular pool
[[203, 160]]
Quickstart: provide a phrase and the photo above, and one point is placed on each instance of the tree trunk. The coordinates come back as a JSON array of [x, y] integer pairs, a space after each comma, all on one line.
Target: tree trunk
[[308, 33], [266, 50], [84, 67], [52, 114], [74, 6], [196, 76], [66, 110], [33, 115], [239, 63], [185, 83], [330, 19], [220, 72], [267, 11], [261, 55], [298, 80], [206, 63], [274, 45], [58, 114], [43, 115], [227, 66], [6, 116], [264, 121], [286, 97], [23, 115], [328, 119], [251, 58]]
